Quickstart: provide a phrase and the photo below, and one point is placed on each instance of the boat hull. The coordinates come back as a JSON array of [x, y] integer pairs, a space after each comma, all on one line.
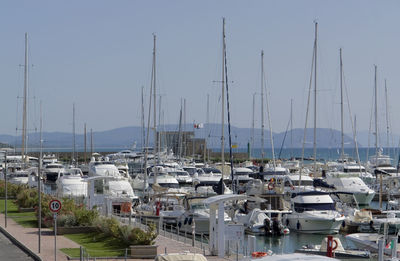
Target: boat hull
[[313, 225]]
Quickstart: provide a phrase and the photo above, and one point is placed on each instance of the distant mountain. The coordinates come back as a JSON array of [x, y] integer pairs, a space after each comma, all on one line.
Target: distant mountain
[[125, 137]]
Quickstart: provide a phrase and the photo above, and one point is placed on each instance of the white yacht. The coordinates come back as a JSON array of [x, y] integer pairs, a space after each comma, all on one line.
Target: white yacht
[[197, 214], [207, 176], [181, 176], [241, 175], [381, 162], [294, 185], [350, 187], [313, 212], [162, 178], [52, 171], [71, 184], [102, 168]]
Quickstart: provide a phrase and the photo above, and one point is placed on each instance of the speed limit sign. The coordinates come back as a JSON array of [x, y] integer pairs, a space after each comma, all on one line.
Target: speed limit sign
[[55, 205]]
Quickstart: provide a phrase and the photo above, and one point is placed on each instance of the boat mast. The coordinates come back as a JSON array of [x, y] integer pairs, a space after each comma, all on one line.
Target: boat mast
[[252, 126], [307, 114], [180, 134], [223, 99], [155, 98], [262, 107], [73, 135], [291, 128], [341, 104], [208, 123], [142, 120], [268, 113], [376, 136], [234, 186], [25, 105], [91, 142], [85, 144], [184, 140], [387, 117], [315, 99]]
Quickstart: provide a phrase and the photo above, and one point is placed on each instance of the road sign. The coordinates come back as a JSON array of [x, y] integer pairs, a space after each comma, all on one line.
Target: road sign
[[55, 205]]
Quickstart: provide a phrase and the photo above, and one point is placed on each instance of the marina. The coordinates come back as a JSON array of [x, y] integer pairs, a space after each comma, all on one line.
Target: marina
[[194, 131]]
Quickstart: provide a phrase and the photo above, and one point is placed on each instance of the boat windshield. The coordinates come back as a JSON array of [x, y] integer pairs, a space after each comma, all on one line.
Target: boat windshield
[[191, 171], [300, 207], [169, 185], [197, 206]]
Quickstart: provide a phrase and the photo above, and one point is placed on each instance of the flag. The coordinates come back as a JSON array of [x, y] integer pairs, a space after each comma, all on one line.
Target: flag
[[198, 125]]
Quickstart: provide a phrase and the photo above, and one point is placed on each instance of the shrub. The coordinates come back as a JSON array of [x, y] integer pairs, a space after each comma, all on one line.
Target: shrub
[[140, 237], [85, 217], [27, 198], [12, 189]]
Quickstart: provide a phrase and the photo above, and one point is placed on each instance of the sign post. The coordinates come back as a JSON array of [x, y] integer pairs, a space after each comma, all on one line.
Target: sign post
[[55, 207]]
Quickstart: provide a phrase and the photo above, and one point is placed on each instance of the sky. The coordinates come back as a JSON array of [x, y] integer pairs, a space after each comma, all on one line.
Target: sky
[[98, 54]]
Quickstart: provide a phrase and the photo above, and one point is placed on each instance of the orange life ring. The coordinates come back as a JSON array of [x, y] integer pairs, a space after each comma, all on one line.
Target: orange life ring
[[126, 207], [336, 245], [271, 186], [259, 254]]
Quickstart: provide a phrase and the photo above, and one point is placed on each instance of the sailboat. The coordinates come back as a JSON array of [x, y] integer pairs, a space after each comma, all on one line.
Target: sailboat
[[314, 211], [348, 185]]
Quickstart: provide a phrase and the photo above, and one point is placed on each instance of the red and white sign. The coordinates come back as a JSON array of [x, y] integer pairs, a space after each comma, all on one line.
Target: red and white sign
[[55, 205]]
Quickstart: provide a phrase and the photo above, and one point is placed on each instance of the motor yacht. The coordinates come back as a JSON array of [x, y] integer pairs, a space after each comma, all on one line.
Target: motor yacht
[[102, 168], [313, 212], [71, 184], [160, 176], [52, 171], [350, 187], [197, 216]]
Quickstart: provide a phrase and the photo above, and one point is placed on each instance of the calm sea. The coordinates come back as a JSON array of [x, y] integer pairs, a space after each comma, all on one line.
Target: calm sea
[[322, 153]]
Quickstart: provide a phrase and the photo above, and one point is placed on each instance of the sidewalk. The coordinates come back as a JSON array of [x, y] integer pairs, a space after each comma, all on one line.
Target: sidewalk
[[29, 238]]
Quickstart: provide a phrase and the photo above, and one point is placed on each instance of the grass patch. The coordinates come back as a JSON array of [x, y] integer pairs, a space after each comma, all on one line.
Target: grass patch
[[97, 245], [25, 219]]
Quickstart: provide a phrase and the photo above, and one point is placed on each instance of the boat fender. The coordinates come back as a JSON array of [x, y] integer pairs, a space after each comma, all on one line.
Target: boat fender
[[185, 221], [343, 223], [259, 254], [298, 225], [190, 221], [179, 224], [287, 222]]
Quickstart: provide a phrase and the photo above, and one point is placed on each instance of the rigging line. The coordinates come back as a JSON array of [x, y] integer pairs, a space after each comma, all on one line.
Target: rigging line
[[229, 114], [351, 120], [370, 125], [307, 112], [284, 138]]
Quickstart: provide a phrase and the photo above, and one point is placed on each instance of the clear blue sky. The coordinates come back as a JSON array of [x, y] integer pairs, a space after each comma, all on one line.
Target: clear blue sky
[[97, 54]]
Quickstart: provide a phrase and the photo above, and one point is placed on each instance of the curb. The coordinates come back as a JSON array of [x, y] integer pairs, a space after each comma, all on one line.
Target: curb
[[20, 245]]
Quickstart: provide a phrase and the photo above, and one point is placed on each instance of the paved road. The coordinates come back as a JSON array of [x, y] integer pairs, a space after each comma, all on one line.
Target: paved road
[[9, 251]]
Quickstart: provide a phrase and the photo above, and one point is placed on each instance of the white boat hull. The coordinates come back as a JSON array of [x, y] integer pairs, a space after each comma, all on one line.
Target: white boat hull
[[313, 225]]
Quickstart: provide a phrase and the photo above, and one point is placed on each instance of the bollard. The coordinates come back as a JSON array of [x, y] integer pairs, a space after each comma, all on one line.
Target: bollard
[[394, 248], [329, 246], [126, 254], [165, 250], [165, 228], [185, 235], [177, 228], [251, 244], [237, 251], [80, 253], [381, 247]]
